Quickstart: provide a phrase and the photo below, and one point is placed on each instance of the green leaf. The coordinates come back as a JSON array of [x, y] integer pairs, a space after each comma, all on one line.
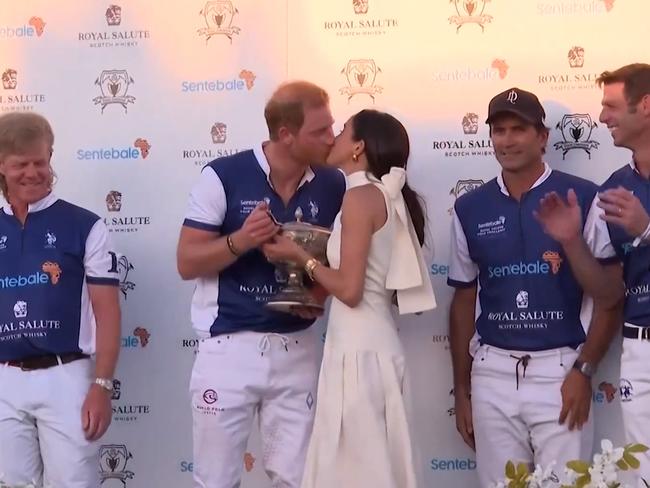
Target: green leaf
[[622, 465], [510, 470], [636, 448], [578, 466], [583, 480], [522, 470], [631, 460]]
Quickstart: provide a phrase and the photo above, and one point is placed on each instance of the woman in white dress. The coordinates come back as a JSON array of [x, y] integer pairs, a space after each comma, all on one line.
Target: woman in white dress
[[361, 428]]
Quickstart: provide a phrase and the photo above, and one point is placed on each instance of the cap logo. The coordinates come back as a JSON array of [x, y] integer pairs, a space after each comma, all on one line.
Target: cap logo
[[512, 96]]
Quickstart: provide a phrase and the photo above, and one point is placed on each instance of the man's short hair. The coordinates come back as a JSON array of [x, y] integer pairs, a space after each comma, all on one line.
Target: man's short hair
[[635, 78], [286, 107]]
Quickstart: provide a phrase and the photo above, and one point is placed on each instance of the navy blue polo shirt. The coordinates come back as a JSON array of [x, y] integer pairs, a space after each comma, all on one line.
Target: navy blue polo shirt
[[636, 260], [528, 298], [226, 193], [45, 267]]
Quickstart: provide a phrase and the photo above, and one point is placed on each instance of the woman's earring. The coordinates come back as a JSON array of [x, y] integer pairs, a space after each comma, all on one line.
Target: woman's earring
[[355, 158]]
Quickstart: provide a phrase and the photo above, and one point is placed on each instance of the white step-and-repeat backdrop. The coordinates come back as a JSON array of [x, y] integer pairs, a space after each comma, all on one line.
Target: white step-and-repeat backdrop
[[141, 94]]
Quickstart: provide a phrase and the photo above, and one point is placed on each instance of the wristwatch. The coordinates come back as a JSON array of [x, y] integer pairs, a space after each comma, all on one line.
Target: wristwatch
[[585, 368], [105, 383]]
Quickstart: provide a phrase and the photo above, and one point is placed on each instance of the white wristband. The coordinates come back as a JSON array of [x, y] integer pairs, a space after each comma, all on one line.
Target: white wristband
[[642, 238]]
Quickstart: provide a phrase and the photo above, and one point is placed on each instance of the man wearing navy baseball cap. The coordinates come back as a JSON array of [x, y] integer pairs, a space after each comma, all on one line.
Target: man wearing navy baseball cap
[[542, 267]]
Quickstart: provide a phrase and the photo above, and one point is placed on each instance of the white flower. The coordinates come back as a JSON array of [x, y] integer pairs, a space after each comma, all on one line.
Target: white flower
[[612, 455]]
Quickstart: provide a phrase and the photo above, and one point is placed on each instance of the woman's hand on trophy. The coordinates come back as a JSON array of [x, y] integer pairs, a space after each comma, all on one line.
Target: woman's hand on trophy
[[257, 229], [281, 249]]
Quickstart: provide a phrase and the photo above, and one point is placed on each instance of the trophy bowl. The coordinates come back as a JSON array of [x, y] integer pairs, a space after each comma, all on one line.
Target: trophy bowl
[[313, 239]]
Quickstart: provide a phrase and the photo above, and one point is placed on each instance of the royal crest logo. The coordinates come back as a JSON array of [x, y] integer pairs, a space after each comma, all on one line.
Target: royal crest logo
[[360, 6], [218, 16], [576, 57], [470, 12], [470, 123], [38, 24], [20, 309], [219, 133], [522, 299], [462, 187], [114, 201], [114, 85], [10, 79], [113, 459], [361, 75], [143, 146], [117, 390], [576, 132], [114, 15], [124, 267]]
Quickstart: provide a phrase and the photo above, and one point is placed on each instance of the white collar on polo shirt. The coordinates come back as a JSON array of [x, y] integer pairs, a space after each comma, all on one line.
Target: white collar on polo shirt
[[539, 181], [264, 164], [42, 204]]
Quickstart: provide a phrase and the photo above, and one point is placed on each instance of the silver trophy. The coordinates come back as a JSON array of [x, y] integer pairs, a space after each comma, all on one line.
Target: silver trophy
[[313, 239]]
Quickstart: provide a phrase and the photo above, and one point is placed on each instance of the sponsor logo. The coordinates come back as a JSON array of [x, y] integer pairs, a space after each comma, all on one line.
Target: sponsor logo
[[361, 75], [218, 16], [521, 300], [114, 86], [139, 338], [249, 462], [210, 397], [126, 412], [439, 269], [113, 460], [626, 389], [115, 37], [576, 130], [606, 393], [581, 8], [496, 70], [17, 100], [470, 12], [550, 263], [139, 149], [20, 309], [50, 240], [441, 339], [122, 223], [203, 155], [124, 267], [245, 81], [3, 243], [462, 187], [35, 26], [466, 146], [455, 464], [492, 227], [361, 25], [574, 78]]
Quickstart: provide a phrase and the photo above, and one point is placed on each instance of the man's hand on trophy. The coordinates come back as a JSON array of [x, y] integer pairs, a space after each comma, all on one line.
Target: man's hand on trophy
[[258, 228], [282, 249]]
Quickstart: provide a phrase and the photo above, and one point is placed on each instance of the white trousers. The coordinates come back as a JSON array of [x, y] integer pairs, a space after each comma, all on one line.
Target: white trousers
[[635, 400], [245, 373], [41, 439], [521, 424]]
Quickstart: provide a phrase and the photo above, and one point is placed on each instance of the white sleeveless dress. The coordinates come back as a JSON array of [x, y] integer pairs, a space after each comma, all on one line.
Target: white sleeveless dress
[[361, 428]]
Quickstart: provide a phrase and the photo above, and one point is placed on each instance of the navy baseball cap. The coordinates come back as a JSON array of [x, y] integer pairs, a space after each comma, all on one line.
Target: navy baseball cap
[[519, 102]]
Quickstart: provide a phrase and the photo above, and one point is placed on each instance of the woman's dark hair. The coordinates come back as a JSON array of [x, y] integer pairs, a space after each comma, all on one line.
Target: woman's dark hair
[[387, 145]]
